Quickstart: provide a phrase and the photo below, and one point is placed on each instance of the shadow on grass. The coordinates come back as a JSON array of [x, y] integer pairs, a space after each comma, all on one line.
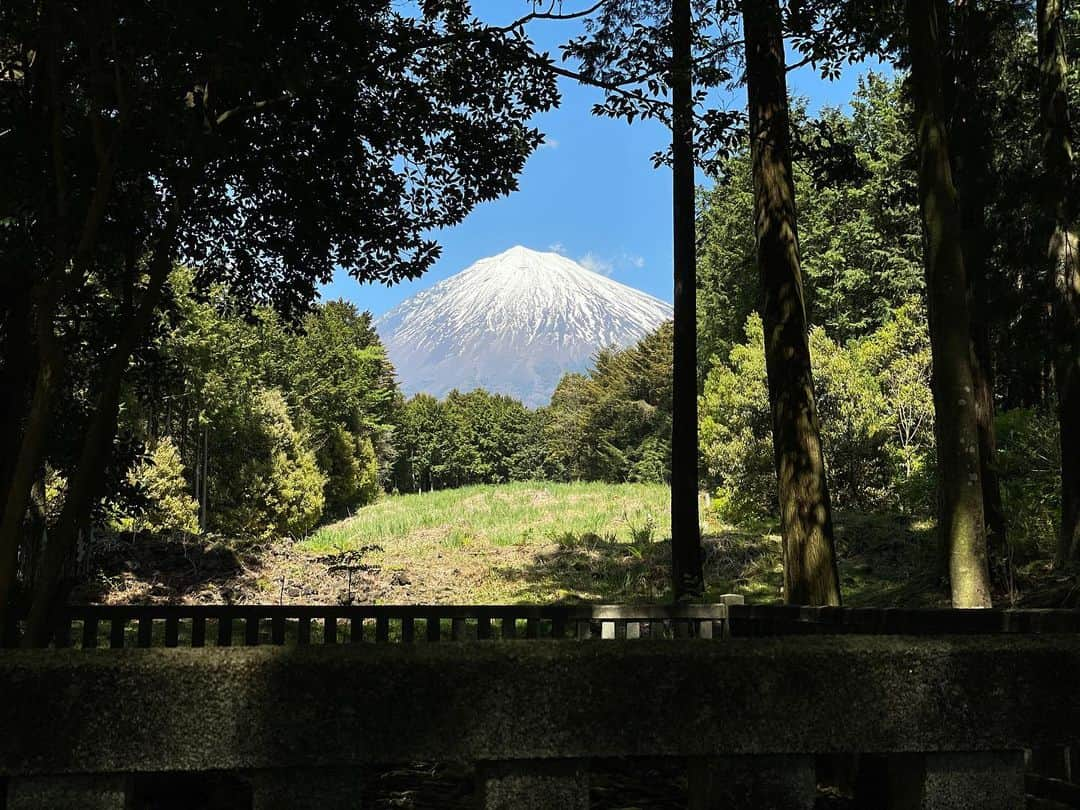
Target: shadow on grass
[[889, 560], [588, 567], [885, 560]]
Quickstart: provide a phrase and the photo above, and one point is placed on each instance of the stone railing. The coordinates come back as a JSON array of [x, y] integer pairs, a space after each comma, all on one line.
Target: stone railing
[[120, 626], [943, 721]]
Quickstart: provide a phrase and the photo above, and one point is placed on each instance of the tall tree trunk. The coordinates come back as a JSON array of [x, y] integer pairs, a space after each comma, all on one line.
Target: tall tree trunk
[[17, 374], [28, 462], [971, 145], [83, 490], [960, 504], [1065, 268], [687, 579], [810, 573]]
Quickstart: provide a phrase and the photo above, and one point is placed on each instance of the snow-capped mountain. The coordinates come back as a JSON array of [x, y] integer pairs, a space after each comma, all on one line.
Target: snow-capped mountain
[[513, 324]]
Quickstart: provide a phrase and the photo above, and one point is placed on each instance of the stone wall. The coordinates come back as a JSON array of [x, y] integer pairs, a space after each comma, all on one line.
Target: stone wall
[[964, 706]]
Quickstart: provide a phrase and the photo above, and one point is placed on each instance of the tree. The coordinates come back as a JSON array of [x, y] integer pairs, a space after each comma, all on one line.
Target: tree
[[155, 134], [167, 505], [613, 423], [471, 438], [860, 241], [810, 573], [638, 51], [1062, 250], [338, 381], [960, 515], [267, 482], [971, 132], [686, 574]]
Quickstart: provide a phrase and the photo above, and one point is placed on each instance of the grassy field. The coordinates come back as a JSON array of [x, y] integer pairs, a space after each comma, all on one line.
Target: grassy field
[[542, 542], [534, 543], [510, 514]]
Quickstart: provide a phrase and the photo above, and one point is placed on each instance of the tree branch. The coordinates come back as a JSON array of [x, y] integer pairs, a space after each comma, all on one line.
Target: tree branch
[[440, 42]]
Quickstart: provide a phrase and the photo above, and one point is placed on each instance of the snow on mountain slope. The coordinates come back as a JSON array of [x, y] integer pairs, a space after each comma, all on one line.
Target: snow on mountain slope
[[513, 324]]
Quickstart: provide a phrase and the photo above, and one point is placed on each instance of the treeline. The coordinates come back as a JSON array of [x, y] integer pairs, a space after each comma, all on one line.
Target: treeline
[[611, 424]]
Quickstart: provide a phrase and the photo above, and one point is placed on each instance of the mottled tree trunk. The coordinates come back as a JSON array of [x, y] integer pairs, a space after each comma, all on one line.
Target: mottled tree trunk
[[1065, 267], [810, 574], [960, 515], [687, 580], [971, 146]]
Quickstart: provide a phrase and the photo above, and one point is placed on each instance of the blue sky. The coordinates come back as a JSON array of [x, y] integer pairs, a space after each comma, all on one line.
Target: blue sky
[[590, 192]]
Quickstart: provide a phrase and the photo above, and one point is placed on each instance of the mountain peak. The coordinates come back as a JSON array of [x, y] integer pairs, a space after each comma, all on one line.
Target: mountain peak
[[522, 253], [513, 323]]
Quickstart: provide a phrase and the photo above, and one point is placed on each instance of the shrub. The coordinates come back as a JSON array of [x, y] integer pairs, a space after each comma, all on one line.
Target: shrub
[[736, 432], [166, 505], [351, 469], [275, 486]]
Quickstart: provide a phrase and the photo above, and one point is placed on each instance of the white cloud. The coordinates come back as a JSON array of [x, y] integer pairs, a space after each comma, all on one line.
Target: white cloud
[[598, 264], [557, 247], [607, 266], [549, 143]]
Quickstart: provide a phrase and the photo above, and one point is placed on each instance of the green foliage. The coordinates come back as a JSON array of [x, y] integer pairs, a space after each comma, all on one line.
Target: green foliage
[[614, 424], [162, 503], [351, 470], [876, 415], [859, 229], [263, 411], [736, 430], [1029, 463], [272, 484], [471, 438], [859, 233], [334, 373], [898, 357]]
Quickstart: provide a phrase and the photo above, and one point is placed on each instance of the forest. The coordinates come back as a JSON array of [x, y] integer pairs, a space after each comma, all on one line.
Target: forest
[[912, 345]]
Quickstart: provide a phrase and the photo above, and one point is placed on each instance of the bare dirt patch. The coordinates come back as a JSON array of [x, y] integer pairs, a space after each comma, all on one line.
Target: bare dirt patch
[[424, 572]]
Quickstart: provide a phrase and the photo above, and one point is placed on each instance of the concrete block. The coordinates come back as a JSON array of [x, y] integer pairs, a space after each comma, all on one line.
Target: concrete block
[[989, 780], [533, 784], [746, 782], [306, 789], [68, 792]]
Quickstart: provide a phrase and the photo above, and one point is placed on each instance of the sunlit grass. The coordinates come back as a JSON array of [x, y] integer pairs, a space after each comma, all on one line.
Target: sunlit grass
[[548, 542], [519, 513]]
